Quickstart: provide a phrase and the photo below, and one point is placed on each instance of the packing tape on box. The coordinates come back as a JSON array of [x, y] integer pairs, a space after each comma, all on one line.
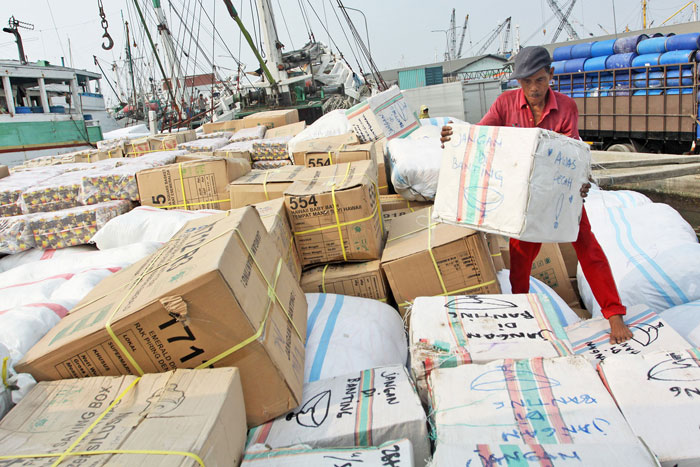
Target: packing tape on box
[[430, 227], [338, 225], [69, 451], [184, 196]]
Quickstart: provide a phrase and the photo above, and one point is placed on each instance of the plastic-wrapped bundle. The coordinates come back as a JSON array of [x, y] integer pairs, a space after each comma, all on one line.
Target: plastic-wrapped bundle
[[74, 226], [266, 165], [16, 234], [205, 144], [56, 193], [215, 135], [11, 189], [246, 134], [415, 163], [272, 149]]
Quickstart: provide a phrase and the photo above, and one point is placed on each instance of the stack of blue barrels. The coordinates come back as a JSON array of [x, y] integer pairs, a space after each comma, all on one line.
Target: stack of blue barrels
[[640, 65]]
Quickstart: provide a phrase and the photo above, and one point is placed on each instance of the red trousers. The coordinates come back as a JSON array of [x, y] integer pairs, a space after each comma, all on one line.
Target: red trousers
[[593, 263]]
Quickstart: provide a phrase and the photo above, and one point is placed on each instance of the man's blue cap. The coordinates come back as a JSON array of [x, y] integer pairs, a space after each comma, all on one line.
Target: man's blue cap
[[530, 60]]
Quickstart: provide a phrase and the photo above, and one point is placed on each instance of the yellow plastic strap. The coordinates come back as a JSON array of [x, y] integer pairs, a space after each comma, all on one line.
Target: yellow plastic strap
[[330, 158], [323, 278], [496, 254], [147, 151], [70, 453], [267, 197], [182, 185], [432, 257], [5, 381], [109, 153], [335, 211], [412, 232], [173, 206]]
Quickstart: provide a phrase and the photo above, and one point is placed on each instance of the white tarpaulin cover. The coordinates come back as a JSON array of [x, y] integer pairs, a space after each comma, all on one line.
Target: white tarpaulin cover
[[650, 333], [367, 408], [394, 454], [451, 331], [658, 395], [542, 401], [685, 319], [349, 334], [520, 182]]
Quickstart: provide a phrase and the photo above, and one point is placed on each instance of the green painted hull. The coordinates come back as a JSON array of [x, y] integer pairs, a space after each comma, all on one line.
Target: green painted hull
[[37, 135]]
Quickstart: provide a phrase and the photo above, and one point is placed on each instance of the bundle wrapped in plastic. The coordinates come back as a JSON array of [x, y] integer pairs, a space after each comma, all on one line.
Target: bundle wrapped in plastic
[[415, 163], [266, 165], [11, 188], [247, 134], [205, 144], [272, 149], [215, 135], [58, 229], [55, 193]]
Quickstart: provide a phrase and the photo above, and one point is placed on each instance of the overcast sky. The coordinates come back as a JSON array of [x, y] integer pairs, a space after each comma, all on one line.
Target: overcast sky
[[399, 31]]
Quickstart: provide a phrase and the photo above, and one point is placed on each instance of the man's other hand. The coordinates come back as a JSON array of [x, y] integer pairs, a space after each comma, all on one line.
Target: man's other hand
[[619, 332], [584, 189], [445, 135]]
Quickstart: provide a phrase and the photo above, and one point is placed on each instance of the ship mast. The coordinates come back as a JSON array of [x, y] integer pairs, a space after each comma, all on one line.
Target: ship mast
[[271, 43], [176, 78]]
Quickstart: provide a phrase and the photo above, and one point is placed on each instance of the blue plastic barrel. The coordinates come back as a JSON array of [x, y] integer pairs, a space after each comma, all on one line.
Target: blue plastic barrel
[[655, 45], [602, 48], [648, 92], [657, 34], [672, 78], [646, 60], [57, 109], [23, 110], [655, 79], [595, 63], [675, 57], [690, 41], [625, 45], [37, 109], [620, 60], [574, 65], [87, 117], [581, 50], [562, 53], [558, 67]]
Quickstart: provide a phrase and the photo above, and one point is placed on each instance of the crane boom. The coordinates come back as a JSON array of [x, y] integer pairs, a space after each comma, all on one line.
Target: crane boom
[[563, 19], [452, 51], [461, 39], [561, 23], [493, 36]]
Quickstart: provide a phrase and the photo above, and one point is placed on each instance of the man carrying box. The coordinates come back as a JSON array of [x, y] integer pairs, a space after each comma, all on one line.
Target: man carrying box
[[535, 105]]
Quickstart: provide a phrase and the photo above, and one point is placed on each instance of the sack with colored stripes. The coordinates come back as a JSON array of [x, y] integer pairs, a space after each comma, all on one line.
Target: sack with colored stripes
[[537, 401], [365, 408], [653, 254], [650, 333], [685, 319], [657, 393], [523, 183], [559, 455], [30, 256], [384, 114], [393, 453], [457, 330], [349, 334]]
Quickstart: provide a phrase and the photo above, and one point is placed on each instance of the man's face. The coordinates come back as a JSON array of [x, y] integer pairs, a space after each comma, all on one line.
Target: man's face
[[535, 87]]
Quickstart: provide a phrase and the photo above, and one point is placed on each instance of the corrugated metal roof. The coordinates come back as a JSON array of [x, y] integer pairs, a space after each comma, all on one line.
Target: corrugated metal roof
[[448, 67]]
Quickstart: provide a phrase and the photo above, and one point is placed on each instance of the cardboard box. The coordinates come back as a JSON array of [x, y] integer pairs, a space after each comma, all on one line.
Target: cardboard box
[[526, 401], [325, 144], [494, 243], [182, 136], [650, 333], [335, 215], [292, 129], [340, 155], [262, 185], [397, 453], [465, 329], [394, 206], [195, 411], [461, 255], [4, 171], [383, 398], [356, 279], [137, 147], [274, 216], [386, 114], [195, 184], [192, 304], [570, 258], [657, 393], [549, 267], [163, 142], [523, 183], [272, 118], [228, 125]]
